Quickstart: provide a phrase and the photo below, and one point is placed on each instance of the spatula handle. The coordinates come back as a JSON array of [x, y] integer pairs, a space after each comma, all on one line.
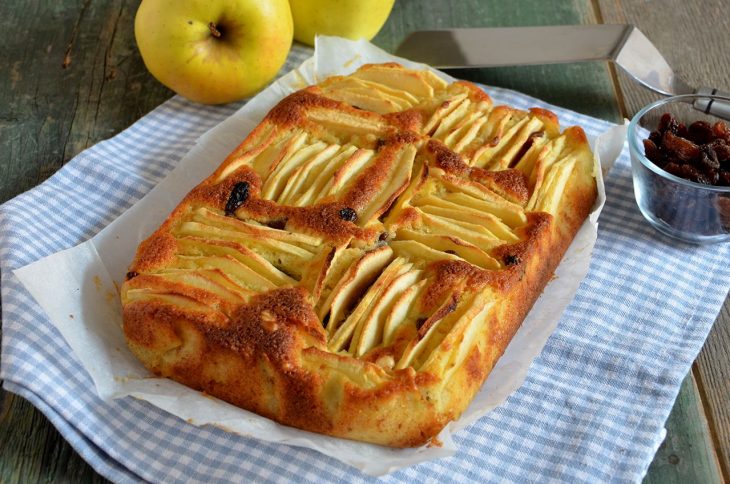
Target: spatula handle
[[716, 107]]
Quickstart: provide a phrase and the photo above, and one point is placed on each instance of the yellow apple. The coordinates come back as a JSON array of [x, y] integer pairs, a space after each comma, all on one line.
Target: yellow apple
[[352, 19], [214, 51]]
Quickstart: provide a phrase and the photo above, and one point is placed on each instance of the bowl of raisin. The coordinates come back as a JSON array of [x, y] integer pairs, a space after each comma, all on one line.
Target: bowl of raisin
[[680, 160]]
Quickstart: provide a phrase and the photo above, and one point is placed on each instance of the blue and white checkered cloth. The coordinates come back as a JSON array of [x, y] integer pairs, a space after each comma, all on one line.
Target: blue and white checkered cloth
[[592, 407]]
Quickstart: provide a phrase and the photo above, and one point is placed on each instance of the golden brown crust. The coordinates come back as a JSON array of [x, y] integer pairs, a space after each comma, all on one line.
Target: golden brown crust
[[359, 263]]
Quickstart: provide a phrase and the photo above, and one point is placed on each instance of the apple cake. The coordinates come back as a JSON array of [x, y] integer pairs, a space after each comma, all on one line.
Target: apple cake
[[360, 262]]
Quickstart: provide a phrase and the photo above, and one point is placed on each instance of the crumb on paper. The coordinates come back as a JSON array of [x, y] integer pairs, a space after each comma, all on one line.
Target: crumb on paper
[[300, 82], [347, 64], [71, 316], [110, 296], [97, 282], [434, 442], [190, 421]]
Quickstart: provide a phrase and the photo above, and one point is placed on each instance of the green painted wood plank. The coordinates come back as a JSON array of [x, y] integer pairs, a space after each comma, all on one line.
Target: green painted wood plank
[[687, 453]]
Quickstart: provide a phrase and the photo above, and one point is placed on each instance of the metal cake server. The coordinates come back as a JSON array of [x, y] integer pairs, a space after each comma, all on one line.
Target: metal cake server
[[625, 45]]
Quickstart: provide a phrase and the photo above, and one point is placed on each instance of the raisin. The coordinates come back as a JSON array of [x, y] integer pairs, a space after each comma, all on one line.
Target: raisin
[[656, 137], [713, 176], [383, 236], [708, 158], [668, 123], [682, 148], [132, 275], [720, 130], [724, 178], [652, 151], [511, 260], [673, 168], [700, 132], [682, 131], [348, 214], [689, 172], [419, 322], [238, 197], [722, 149]]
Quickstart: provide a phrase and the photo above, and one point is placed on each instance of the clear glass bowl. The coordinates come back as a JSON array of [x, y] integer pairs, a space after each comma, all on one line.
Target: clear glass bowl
[[680, 208]]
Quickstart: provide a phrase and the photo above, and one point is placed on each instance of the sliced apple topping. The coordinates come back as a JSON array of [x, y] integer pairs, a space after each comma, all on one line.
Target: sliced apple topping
[[351, 285], [394, 225], [369, 95], [344, 332], [398, 176], [383, 89], [458, 339], [433, 330]]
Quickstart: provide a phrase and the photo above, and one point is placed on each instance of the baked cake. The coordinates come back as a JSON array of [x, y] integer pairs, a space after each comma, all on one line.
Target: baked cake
[[360, 262]]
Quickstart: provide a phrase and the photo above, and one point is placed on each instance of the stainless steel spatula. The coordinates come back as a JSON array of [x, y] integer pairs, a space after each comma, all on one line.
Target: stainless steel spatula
[[491, 47]]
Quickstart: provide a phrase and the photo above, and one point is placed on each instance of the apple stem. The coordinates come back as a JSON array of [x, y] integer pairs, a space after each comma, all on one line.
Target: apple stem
[[214, 30]]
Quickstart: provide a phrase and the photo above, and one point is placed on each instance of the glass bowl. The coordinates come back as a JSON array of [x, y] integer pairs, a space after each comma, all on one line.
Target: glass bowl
[[689, 211]]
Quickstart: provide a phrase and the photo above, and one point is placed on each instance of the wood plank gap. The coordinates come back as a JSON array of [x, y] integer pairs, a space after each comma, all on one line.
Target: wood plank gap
[[711, 424], [595, 4]]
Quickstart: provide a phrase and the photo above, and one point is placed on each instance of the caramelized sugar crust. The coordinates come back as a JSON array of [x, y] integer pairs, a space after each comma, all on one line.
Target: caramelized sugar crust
[[360, 262]]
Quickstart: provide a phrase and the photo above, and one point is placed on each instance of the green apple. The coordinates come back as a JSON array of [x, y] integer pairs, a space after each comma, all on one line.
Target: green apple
[[214, 51], [352, 19]]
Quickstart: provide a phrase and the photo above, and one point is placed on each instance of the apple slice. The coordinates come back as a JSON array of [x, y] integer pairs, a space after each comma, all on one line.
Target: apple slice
[[458, 139], [180, 303], [449, 347], [314, 274], [291, 142], [369, 331], [239, 272], [450, 244], [280, 173], [452, 119], [197, 229], [349, 171], [343, 259], [458, 213], [344, 332], [344, 125], [216, 276], [353, 283], [502, 159], [486, 156], [200, 285], [323, 175], [511, 213], [401, 311], [547, 197], [422, 84], [196, 246], [443, 110], [398, 177], [449, 311], [421, 255], [256, 230], [305, 171]]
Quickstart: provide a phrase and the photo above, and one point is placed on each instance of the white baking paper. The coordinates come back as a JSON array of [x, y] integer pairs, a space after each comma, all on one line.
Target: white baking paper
[[78, 287]]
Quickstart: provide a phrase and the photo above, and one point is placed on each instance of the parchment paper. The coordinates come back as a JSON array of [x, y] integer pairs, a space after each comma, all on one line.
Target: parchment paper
[[78, 287]]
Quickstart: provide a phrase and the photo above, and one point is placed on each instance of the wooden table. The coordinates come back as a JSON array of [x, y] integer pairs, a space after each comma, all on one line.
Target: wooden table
[[70, 76]]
